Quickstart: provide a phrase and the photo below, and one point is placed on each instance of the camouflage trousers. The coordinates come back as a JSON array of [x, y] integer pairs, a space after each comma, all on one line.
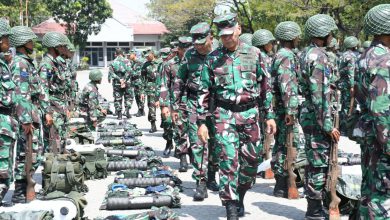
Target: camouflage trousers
[[375, 200], [279, 151], [238, 147], [60, 132], [37, 152], [151, 106], [345, 107], [138, 100], [7, 144], [167, 126], [181, 134], [119, 93]]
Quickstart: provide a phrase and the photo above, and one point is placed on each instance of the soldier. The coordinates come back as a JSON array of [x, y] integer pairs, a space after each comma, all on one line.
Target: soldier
[[372, 93], [331, 51], [316, 116], [285, 69], [55, 85], [120, 74], [345, 83], [232, 77], [89, 100], [74, 86], [149, 74], [246, 38], [365, 46], [26, 77], [137, 82], [15, 110], [188, 80]]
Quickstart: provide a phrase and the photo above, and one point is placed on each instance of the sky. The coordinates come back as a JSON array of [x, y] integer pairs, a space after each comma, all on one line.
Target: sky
[[136, 5]]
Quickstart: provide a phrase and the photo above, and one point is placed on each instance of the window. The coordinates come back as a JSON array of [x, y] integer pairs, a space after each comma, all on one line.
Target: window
[[112, 44], [111, 53], [97, 44], [137, 44], [123, 44], [150, 43]]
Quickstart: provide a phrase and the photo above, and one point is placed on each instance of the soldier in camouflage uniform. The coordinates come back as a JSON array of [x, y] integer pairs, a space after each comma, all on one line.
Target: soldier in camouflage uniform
[[15, 110], [372, 85], [55, 86], [316, 111], [232, 79], [285, 68], [345, 83], [26, 78], [136, 82], [74, 86], [188, 81], [120, 75], [89, 100], [168, 97], [331, 51], [246, 38]]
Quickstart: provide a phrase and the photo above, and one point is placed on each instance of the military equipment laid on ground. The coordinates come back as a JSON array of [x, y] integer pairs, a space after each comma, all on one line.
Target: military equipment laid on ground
[[79, 131], [105, 104], [129, 134], [127, 164], [121, 141], [27, 214], [162, 213]]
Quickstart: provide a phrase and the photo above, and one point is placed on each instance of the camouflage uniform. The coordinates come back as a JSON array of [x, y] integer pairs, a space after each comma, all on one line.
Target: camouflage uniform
[[120, 69], [136, 83], [372, 93], [285, 70], [74, 85], [235, 79]]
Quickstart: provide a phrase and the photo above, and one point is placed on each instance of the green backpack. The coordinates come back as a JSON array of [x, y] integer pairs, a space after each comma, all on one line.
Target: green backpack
[[63, 172], [95, 166], [77, 198], [27, 214]]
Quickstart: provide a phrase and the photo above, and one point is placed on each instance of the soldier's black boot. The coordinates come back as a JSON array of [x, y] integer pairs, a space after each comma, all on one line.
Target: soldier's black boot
[[211, 182], [281, 187], [19, 195], [315, 210], [140, 112], [168, 148], [231, 210], [183, 163], [119, 115], [3, 191], [201, 191], [241, 208], [153, 128], [128, 115]]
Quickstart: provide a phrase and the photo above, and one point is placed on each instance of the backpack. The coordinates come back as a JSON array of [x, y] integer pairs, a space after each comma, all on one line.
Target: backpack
[[27, 214], [63, 172], [77, 198], [95, 166]]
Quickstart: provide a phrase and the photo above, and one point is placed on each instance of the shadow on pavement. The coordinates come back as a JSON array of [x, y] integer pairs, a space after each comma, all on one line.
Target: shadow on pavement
[[280, 210], [263, 188], [203, 212]]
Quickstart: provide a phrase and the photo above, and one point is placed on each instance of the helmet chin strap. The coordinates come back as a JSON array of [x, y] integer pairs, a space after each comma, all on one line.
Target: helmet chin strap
[[28, 50]]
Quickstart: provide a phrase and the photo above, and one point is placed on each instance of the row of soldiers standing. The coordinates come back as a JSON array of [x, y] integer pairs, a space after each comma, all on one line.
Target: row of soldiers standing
[[35, 101]]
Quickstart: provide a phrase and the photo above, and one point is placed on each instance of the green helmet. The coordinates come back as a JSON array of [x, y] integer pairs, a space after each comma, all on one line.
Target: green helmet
[[320, 25], [53, 39], [351, 42], [95, 75], [246, 38], [5, 29], [71, 47], [262, 37], [366, 44], [21, 35], [333, 43], [377, 20], [287, 30]]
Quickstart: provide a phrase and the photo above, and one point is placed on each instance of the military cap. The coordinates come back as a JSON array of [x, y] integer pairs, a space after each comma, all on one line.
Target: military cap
[[226, 23], [5, 29], [200, 32], [377, 20], [95, 75], [366, 44], [164, 52], [185, 42], [351, 42], [53, 39], [174, 44], [262, 37], [287, 30], [320, 25], [21, 35], [246, 38]]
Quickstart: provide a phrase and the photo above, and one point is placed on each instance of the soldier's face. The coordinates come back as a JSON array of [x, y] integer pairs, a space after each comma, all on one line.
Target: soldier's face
[[296, 42], [132, 56], [4, 43], [30, 46], [206, 47], [268, 47], [329, 39], [150, 57], [231, 41]]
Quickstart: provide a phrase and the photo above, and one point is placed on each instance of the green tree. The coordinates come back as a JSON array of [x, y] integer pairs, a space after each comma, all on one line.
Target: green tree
[[82, 17], [15, 11]]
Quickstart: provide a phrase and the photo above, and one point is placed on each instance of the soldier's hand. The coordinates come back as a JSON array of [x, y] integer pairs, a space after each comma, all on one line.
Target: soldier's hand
[[352, 91], [28, 128], [165, 112], [157, 104], [175, 116], [271, 126], [335, 135], [104, 111], [94, 124], [67, 114], [109, 81], [142, 97], [49, 119], [203, 133], [289, 120]]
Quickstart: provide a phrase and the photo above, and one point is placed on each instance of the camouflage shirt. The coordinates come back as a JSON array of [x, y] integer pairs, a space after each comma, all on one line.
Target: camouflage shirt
[[119, 69], [90, 102], [235, 77], [347, 70], [149, 75], [168, 77]]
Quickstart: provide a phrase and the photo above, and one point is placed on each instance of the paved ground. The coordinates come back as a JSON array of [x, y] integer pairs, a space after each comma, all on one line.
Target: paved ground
[[259, 202]]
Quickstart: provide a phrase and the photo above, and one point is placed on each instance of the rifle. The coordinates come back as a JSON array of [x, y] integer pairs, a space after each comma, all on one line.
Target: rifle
[[268, 174], [30, 190], [116, 142], [289, 164], [54, 142], [334, 212], [351, 105]]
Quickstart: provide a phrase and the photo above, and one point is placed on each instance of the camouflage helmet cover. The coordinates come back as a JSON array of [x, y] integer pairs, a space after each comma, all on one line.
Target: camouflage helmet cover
[[262, 37], [164, 52], [53, 39], [320, 25], [246, 38], [5, 29], [95, 75], [21, 35], [377, 20], [351, 42], [287, 30], [200, 32], [366, 44]]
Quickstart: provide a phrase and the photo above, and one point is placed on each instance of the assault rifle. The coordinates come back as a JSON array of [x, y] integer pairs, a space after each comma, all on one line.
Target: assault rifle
[[289, 164], [30, 190], [121, 141], [268, 174]]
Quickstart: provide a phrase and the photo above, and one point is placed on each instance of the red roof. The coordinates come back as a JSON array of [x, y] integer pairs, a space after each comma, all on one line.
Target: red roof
[[149, 28], [47, 26]]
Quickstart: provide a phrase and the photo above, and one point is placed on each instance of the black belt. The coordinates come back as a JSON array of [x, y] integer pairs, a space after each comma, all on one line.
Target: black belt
[[236, 107], [6, 111]]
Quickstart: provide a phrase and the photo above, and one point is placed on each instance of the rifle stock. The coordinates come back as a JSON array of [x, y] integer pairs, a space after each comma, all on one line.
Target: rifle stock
[[291, 155], [30, 188], [54, 142], [268, 174]]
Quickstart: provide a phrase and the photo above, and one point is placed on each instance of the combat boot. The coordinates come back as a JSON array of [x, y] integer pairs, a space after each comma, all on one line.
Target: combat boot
[[119, 115], [183, 163], [281, 187], [128, 115], [231, 210], [4, 190], [19, 195], [241, 208], [211, 182], [315, 210], [153, 129], [140, 112], [201, 191], [168, 148]]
